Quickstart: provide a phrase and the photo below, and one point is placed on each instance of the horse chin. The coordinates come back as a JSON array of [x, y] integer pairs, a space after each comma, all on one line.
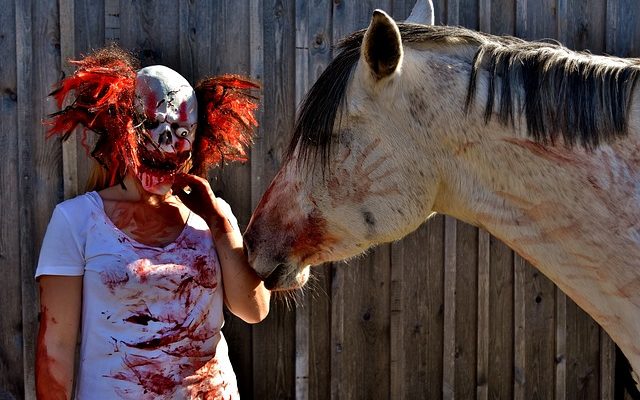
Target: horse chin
[[286, 277]]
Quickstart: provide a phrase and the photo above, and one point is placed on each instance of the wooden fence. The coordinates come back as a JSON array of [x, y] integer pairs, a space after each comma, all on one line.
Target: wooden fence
[[447, 312]]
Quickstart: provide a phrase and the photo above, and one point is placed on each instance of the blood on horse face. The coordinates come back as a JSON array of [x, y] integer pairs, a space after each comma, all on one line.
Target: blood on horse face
[[537, 144]]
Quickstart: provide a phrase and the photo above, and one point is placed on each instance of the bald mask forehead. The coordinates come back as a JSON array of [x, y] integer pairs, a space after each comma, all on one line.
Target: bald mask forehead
[[169, 104]]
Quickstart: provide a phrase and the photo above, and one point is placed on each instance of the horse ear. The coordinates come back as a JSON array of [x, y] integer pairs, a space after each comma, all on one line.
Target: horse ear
[[382, 45], [422, 13]]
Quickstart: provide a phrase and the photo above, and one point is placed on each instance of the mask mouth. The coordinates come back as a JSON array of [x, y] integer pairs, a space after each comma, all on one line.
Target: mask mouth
[[161, 161]]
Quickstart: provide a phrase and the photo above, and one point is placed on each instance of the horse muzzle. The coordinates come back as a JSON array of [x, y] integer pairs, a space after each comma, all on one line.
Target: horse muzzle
[[287, 277]]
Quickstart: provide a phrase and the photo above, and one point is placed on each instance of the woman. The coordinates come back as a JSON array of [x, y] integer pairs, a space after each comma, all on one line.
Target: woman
[[141, 260]]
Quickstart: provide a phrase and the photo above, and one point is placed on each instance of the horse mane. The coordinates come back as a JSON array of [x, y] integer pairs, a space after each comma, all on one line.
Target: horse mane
[[561, 92]]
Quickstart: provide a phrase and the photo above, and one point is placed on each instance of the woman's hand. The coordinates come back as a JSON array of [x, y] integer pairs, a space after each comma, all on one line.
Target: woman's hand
[[200, 199], [245, 294]]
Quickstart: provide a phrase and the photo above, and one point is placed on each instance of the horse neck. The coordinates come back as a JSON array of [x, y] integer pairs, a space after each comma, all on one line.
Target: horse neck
[[573, 213]]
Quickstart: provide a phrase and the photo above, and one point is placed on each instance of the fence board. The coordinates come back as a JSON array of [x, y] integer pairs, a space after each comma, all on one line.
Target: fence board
[[484, 287], [89, 34], [67, 50], [313, 344], [623, 30], [301, 87], [417, 308], [501, 325], [466, 311], [274, 338], [148, 28], [39, 161], [24, 59], [11, 357], [449, 342]]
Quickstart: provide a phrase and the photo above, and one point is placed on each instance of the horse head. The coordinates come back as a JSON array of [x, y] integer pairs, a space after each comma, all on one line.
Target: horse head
[[349, 179]]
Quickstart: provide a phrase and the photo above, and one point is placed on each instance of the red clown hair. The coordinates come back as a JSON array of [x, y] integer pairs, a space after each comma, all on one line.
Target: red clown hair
[[226, 120], [102, 98], [103, 91]]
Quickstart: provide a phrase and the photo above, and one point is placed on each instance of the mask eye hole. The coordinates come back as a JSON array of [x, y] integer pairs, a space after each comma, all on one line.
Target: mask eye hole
[[148, 124], [181, 132]]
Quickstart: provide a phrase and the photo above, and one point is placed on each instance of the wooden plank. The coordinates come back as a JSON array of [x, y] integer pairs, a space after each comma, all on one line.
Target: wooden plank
[[337, 331], [365, 324], [466, 297], [583, 354], [112, 20], [398, 318], [89, 34], [521, 20], [623, 31], [301, 86], [501, 324], [453, 12], [317, 298], [539, 342], [417, 306], [449, 345], [24, 69], [503, 15], [484, 286], [536, 19], [273, 339], [561, 345], [67, 51], [468, 13], [484, 15], [607, 367], [190, 34], [39, 162], [11, 367], [89, 21], [519, 337], [148, 29], [587, 27]]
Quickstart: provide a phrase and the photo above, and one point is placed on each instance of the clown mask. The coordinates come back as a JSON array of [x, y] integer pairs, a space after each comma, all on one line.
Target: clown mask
[[170, 109]]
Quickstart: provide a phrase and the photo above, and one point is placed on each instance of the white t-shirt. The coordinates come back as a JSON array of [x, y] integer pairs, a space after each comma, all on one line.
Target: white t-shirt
[[151, 317]]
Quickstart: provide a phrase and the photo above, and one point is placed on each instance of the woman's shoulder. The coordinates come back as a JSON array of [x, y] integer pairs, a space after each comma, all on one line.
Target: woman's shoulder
[[78, 207]]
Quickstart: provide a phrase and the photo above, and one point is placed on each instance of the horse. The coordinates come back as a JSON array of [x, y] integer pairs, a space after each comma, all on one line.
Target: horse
[[536, 144]]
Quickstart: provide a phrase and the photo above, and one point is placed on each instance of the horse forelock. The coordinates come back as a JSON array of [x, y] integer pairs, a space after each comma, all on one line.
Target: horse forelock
[[582, 98]]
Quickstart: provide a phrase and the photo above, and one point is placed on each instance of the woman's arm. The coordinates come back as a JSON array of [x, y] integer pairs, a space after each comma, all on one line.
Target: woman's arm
[[60, 309], [245, 294]]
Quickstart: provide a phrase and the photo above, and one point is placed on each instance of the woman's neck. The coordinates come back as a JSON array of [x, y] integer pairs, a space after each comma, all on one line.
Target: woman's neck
[[131, 190]]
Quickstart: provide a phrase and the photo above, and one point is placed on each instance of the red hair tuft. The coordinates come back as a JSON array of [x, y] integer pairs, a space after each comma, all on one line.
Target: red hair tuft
[[226, 120], [101, 93]]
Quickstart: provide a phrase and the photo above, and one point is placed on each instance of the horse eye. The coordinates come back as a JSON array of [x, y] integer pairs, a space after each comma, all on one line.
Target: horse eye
[[149, 124]]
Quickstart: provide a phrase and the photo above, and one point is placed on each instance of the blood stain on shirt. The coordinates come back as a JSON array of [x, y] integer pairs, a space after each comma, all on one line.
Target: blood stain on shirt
[[114, 278]]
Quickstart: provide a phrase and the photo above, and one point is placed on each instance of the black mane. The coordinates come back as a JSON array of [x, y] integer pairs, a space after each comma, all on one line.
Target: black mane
[[561, 92]]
